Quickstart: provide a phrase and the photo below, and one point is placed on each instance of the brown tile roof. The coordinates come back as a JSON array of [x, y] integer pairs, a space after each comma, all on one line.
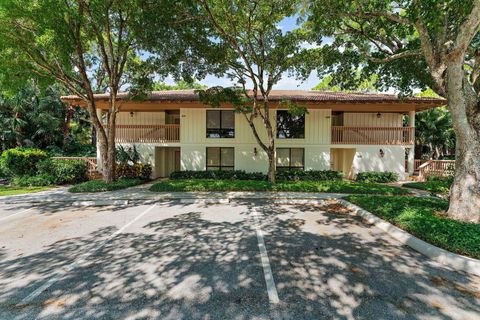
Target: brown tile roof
[[278, 95]]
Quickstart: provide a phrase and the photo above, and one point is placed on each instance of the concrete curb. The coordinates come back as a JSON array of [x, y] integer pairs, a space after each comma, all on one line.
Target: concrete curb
[[100, 203], [452, 260]]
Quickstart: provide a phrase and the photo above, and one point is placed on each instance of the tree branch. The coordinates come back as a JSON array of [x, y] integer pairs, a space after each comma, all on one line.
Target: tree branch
[[467, 32]]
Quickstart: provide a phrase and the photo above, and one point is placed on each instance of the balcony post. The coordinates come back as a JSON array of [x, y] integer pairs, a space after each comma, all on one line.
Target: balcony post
[[411, 154]]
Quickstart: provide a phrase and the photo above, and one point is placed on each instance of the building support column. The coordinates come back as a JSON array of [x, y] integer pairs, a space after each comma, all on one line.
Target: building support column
[[411, 154]]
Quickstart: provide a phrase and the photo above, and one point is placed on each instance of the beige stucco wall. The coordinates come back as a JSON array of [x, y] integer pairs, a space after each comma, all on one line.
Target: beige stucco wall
[[367, 158], [193, 142], [144, 118], [369, 119]]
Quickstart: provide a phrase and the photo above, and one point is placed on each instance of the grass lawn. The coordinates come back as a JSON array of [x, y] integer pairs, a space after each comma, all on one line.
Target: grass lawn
[[100, 186], [423, 218], [285, 186], [436, 186], [12, 190]]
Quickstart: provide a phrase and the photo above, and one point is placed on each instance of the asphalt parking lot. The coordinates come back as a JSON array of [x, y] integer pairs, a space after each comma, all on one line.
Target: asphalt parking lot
[[238, 260]]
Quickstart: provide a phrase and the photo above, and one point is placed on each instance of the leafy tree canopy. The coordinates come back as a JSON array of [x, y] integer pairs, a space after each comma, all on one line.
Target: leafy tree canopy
[[180, 85], [327, 84]]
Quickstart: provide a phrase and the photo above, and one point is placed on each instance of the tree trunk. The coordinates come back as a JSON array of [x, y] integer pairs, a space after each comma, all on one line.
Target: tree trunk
[[271, 165], [465, 191], [69, 111], [105, 146], [109, 170], [464, 107]]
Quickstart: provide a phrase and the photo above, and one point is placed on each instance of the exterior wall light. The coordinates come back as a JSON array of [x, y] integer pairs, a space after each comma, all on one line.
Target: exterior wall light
[[379, 115], [131, 114], [255, 152], [382, 153]]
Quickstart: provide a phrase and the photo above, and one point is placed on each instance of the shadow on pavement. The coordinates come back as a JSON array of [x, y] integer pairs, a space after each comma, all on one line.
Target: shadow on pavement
[[192, 267]]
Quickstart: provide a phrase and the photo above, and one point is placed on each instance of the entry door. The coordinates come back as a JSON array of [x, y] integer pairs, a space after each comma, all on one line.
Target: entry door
[[177, 160], [342, 160]]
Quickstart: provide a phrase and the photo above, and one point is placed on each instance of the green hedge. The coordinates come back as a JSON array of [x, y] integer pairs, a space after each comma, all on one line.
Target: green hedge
[[310, 175], [283, 175], [201, 185], [100, 186], [22, 161], [64, 171], [137, 170], [377, 177], [218, 175]]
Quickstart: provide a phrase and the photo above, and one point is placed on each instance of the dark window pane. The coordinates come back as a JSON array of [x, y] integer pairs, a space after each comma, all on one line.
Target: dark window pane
[[220, 124], [213, 156], [228, 119], [297, 158], [290, 126], [220, 158], [213, 119], [228, 157], [290, 158], [283, 157]]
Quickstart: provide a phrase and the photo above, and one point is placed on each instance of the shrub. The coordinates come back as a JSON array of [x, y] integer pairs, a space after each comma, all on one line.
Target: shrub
[[127, 155], [34, 181], [218, 175], [137, 170], [311, 175], [284, 175], [64, 171], [22, 161], [100, 186], [377, 177], [446, 179], [3, 171]]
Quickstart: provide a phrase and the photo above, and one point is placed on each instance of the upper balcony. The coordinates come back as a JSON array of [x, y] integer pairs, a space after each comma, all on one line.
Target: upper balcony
[[161, 133], [373, 135]]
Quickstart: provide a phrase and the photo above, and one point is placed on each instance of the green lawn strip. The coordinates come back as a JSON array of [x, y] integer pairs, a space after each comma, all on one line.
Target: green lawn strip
[[283, 186], [100, 186], [440, 187], [423, 218], [12, 190]]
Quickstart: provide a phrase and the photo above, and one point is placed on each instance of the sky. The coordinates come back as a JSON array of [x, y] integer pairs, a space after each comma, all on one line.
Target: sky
[[287, 81]]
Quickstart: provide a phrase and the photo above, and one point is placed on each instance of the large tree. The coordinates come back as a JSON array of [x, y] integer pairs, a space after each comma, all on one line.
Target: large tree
[[243, 40], [82, 44], [416, 43]]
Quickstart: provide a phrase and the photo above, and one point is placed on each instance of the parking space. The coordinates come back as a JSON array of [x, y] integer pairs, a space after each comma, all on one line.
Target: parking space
[[176, 260]]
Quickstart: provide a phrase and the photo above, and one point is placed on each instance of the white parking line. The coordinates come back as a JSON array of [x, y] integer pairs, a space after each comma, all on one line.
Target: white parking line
[[28, 299], [15, 214], [267, 270]]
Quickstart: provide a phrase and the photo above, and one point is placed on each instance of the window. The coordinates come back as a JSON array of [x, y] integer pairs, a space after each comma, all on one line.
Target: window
[[290, 126], [220, 158], [220, 124], [290, 158]]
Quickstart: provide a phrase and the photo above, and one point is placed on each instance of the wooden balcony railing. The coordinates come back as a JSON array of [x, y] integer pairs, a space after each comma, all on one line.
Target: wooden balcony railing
[[372, 135], [90, 161], [161, 133], [435, 168]]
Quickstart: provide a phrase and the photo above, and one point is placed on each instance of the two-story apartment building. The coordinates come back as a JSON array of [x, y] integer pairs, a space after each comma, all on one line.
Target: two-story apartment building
[[349, 132]]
